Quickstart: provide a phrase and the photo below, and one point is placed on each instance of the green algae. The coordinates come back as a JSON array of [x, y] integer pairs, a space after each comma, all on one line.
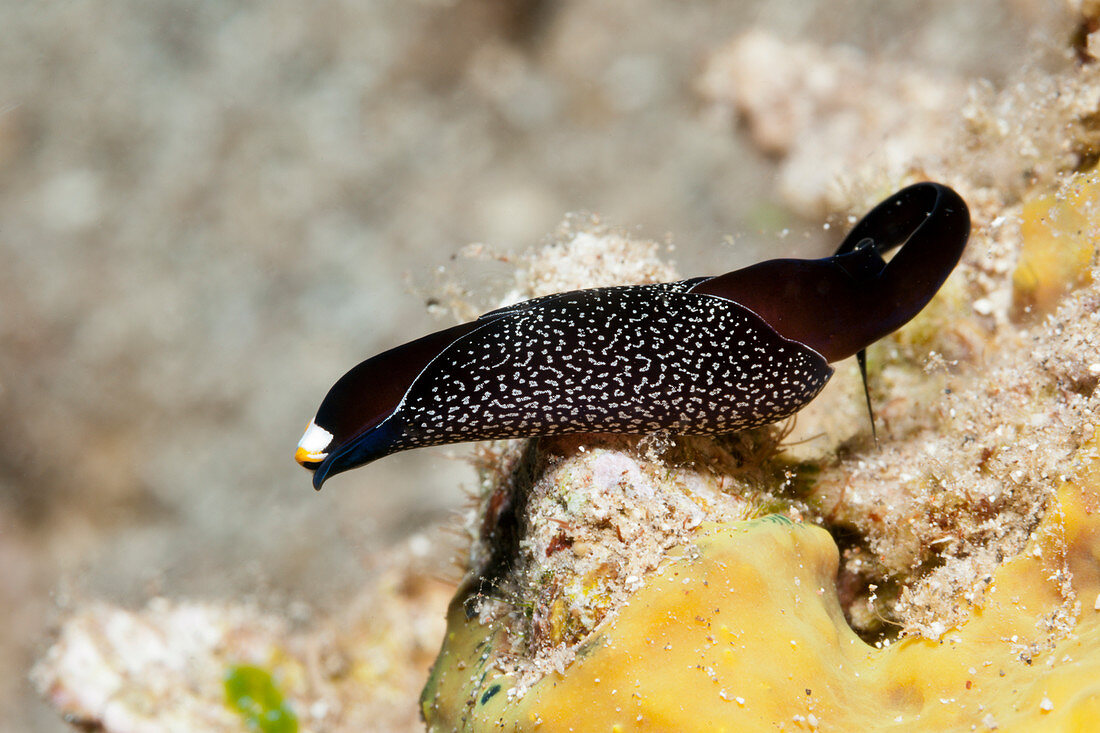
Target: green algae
[[251, 692]]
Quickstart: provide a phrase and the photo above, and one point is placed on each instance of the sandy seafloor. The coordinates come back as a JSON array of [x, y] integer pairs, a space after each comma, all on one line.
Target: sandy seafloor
[[209, 211]]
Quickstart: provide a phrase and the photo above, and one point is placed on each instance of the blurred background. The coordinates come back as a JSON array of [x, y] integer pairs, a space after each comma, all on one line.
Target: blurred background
[[210, 210]]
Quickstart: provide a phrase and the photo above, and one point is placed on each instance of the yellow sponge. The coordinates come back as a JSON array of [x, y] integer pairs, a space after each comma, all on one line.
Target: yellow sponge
[[1059, 244], [741, 631]]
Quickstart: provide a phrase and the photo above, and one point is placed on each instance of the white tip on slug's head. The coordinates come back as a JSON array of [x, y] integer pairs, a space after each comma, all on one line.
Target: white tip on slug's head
[[311, 448]]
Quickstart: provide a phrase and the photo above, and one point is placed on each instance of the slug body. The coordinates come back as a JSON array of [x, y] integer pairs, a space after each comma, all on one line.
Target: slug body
[[700, 356]]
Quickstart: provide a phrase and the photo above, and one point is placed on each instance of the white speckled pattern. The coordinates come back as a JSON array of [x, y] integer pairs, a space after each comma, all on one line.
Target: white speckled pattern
[[630, 359]]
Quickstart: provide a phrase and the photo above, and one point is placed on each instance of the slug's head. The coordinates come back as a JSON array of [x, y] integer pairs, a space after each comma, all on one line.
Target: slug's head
[[355, 407], [841, 304], [358, 420]]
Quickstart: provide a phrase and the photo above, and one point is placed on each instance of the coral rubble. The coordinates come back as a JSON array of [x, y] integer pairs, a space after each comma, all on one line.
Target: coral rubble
[[187, 666]]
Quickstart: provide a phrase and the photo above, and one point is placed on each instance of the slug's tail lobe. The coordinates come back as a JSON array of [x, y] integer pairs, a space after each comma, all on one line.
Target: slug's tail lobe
[[839, 305]]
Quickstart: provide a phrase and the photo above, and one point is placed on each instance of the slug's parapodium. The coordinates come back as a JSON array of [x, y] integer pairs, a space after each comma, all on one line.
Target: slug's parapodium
[[702, 356]]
